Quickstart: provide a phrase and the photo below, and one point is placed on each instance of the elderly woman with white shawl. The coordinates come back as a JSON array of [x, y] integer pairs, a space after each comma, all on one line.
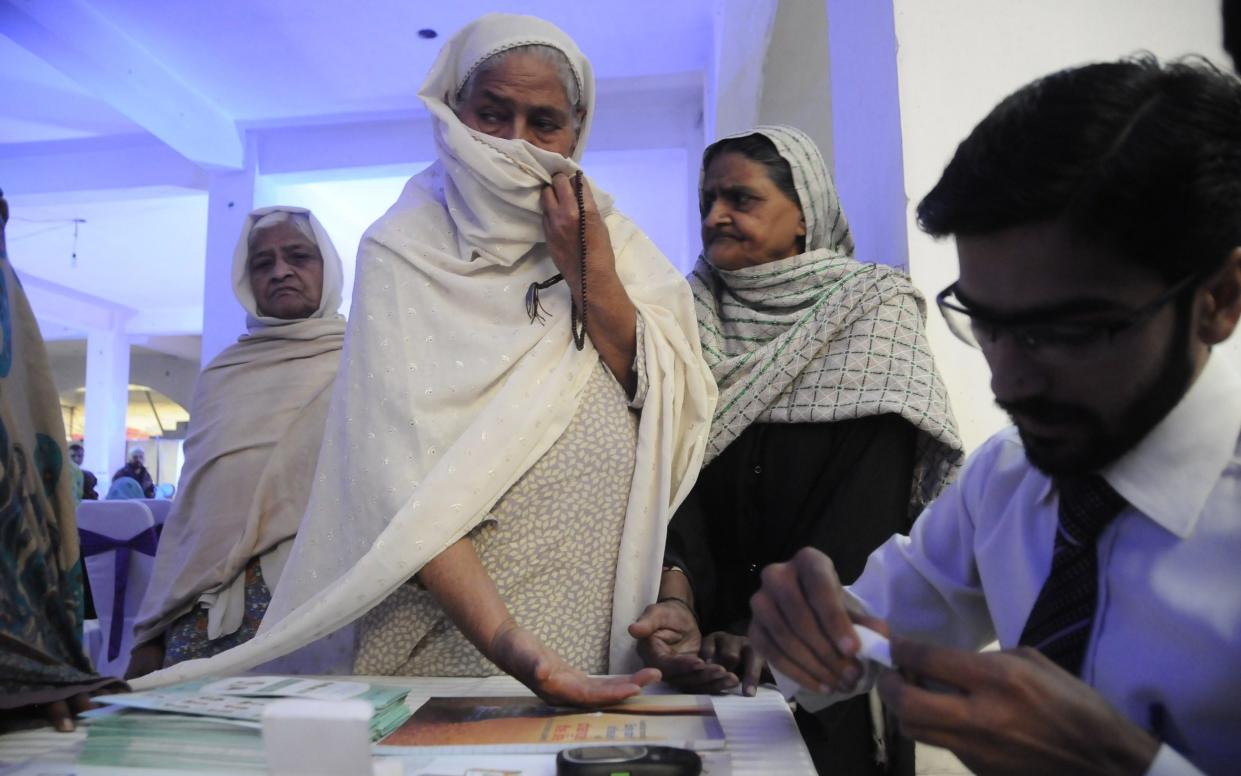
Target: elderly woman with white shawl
[[503, 450], [256, 423], [833, 427]]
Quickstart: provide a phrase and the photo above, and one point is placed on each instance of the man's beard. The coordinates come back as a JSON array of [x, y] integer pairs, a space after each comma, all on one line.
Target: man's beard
[[1101, 445]]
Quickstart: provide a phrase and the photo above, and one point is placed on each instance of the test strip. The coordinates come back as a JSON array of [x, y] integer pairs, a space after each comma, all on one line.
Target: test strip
[[874, 646]]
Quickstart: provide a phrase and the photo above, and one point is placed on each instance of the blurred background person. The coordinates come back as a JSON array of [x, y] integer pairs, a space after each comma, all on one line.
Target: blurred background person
[[136, 470], [85, 488]]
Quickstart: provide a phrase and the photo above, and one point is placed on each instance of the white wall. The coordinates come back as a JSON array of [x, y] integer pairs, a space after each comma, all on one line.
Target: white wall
[[956, 59], [649, 187]]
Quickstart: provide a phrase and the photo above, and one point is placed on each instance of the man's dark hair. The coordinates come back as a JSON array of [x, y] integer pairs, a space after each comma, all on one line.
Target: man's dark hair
[[76, 446], [1140, 157]]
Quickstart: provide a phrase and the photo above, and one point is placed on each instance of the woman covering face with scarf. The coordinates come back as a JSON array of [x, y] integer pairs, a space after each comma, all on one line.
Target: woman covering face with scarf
[[492, 495], [833, 427]]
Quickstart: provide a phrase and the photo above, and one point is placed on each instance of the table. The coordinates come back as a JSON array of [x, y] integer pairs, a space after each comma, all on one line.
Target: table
[[762, 736]]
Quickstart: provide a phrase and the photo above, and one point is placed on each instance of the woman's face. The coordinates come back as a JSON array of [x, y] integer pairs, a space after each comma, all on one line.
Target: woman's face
[[286, 273], [522, 99], [746, 219]]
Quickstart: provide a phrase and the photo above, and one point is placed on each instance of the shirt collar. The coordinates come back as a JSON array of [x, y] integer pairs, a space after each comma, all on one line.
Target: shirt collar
[[1171, 472]]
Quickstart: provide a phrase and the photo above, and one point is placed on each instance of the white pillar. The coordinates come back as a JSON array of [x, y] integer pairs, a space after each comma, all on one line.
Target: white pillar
[[107, 401], [866, 127], [769, 65], [230, 197], [734, 84]]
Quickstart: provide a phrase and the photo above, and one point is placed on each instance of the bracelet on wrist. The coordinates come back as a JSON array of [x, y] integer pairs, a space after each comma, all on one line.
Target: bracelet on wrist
[[682, 602]]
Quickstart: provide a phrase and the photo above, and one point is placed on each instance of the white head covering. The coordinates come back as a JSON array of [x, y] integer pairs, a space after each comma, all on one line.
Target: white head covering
[[448, 393], [820, 337], [333, 271], [492, 185]]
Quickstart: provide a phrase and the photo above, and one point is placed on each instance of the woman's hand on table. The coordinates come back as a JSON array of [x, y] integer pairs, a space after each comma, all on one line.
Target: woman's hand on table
[[61, 713], [735, 654], [522, 654], [669, 639]]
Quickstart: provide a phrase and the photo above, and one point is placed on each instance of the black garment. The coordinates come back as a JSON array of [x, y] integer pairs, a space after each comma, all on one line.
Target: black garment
[[140, 474], [89, 481], [842, 487]]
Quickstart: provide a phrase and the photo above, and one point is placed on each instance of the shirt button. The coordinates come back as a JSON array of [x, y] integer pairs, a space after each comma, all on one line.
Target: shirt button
[[758, 469]]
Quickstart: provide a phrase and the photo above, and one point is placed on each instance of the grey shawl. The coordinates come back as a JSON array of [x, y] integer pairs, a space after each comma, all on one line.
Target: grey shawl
[[820, 337]]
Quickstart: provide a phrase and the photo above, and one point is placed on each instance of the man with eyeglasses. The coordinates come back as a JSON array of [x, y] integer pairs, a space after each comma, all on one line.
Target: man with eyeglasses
[[1097, 217]]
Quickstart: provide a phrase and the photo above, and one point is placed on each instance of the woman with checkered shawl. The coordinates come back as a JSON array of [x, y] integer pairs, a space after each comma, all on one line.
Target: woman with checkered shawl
[[833, 427]]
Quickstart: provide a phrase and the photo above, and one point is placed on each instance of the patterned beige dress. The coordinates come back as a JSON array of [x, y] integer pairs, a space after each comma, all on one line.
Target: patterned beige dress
[[550, 544]]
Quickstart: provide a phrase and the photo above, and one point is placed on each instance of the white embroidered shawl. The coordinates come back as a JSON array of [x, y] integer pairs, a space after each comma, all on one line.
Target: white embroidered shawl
[[448, 393]]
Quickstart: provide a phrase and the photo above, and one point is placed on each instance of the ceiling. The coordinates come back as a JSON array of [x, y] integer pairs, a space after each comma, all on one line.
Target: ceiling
[[89, 83], [272, 61]]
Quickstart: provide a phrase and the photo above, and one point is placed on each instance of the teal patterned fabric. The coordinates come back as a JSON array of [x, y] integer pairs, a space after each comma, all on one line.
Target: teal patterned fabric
[[41, 597]]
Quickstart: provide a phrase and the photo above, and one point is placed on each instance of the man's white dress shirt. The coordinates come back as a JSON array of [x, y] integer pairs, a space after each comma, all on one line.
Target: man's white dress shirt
[[1165, 647]]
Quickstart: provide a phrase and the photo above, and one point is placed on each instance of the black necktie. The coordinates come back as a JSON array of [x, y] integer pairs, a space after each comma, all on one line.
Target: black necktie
[[1059, 623]]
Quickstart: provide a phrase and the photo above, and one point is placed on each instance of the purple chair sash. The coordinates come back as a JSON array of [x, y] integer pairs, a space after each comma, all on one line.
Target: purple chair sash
[[92, 543]]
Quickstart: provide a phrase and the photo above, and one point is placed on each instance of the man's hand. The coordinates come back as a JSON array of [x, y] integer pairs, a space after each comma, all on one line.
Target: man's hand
[[522, 654], [1016, 712], [802, 624], [668, 639]]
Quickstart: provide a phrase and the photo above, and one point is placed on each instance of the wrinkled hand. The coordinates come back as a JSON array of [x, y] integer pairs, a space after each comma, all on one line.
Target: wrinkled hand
[[522, 654], [737, 655], [1016, 712], [668, 639], [560, 225], [801, 622], [146, 658]]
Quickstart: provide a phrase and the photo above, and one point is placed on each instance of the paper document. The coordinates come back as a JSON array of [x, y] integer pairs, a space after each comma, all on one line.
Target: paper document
[[874, 646]]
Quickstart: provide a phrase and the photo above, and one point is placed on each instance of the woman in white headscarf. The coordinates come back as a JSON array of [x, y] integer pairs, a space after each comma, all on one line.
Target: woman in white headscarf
[[833, 427], [485, 479], [256, 423]]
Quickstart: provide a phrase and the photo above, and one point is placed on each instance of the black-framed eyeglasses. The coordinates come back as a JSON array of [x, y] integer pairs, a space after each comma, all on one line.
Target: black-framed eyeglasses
[[1050, 339]]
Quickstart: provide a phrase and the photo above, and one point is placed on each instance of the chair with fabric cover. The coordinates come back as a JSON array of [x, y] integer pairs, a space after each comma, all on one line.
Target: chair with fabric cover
[[160, 507], [118, 540], [92, 640]]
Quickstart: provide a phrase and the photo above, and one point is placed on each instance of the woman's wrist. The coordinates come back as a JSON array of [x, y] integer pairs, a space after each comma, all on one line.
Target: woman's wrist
[[672, 599], [500, 647], [520, 653]]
